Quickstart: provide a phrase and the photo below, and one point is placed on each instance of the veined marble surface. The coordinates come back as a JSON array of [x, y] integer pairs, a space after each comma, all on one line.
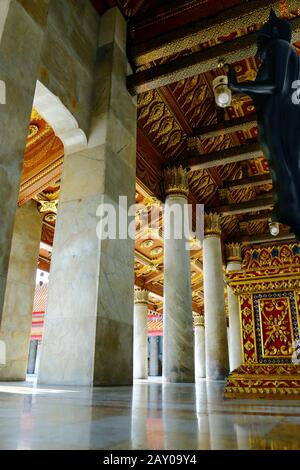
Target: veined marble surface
[[150, 415]]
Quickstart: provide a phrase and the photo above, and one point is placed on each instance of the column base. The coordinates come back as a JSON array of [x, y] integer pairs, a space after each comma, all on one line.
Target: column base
[[276, 381]]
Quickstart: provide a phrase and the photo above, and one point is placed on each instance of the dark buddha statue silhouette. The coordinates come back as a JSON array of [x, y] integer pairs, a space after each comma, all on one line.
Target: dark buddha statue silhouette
[[275, 93]]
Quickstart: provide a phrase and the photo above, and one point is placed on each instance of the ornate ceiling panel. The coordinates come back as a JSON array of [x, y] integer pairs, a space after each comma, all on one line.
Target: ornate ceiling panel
[[43, 158], [160, 125]]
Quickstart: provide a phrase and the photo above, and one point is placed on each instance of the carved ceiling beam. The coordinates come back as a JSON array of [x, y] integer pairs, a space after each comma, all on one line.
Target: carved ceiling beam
[[258, 204], [263, 238], [256, 218], [153, 277], [228, 21], [249, 182], [171, 102], [247, 151], [226, 127], [198, 62], [44, 263]]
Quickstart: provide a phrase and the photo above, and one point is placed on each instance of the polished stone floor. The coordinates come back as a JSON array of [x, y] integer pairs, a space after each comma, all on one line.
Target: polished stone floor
[[150, 415]]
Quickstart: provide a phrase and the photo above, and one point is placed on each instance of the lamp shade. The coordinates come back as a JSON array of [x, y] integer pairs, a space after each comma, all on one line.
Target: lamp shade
[[221, 91]]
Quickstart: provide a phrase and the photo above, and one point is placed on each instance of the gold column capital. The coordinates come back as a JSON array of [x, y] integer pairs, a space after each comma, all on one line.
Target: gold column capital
[[198, 320], [140, 295], [176, 181], [212, 224], [233, 252]]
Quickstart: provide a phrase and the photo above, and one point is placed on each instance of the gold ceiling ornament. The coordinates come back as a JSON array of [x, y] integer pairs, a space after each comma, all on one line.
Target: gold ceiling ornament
[[195, 243], [283, 8], [151, 201], [224, 193], [176, 181], [199, 320], [52, 195], [153, 268], [32, 131], [46, 206], [156, 251], [141, 296], [193, 143], [50, 217], [152, 232], [233, 252], [212, 224], [147, 243]]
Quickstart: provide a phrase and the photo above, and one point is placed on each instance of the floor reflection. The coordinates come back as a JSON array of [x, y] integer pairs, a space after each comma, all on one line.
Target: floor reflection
[[150, 415]]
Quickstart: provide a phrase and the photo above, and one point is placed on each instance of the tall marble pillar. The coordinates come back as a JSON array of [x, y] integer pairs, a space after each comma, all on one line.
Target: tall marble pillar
[[234, 260], [16, 319], [21, 38], [154, 356], [216, 348], [199, 332], [140, 337], [139, 416], [88, 336], [33, 348], [178, 340]]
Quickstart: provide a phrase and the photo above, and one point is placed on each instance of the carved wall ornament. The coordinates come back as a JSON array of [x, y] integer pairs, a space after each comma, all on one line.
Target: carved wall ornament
[[141, 295], [212, 224], [176, 181], [233, 252], [198, 320], [269, 312]]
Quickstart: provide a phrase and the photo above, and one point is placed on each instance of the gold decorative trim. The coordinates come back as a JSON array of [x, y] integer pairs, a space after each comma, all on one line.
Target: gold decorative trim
[[141, 296], [199, 320], [233, 252], [280, 381], [266, 286], [212, 225], [176, 181], [42, 173]]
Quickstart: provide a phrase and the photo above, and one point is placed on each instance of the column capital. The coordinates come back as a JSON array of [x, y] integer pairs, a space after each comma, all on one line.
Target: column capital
[[140, 295], [176, 181], [212, 224], [233, 252], [199, 320]]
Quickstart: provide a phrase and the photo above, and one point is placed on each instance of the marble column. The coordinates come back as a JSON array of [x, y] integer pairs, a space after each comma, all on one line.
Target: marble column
[[202, 416], [21, 38], [234, 260], [16, 319], [216, 348], [199, 332], [153, 356], [33, 348], [178, 339], [139, 416], [140, 337], [88, 335]]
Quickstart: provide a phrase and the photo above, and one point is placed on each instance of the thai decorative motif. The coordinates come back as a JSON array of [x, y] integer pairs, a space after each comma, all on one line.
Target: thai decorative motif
[[233, 252], [176, 181], [266, 381], [140, 295], [158, 122], [280, 257], [270, 323], [43, 158], [198, 320], [276, 325], [212, 224]]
